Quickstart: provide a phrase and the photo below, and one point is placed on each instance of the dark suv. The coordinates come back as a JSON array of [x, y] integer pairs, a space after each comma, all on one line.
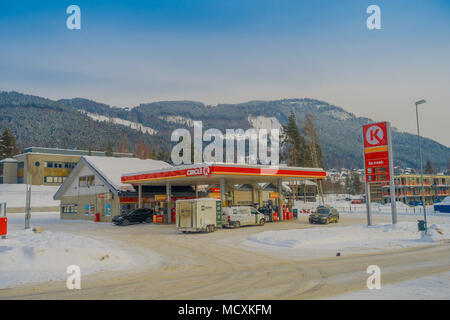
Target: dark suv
[[134, 216], [325, 215]]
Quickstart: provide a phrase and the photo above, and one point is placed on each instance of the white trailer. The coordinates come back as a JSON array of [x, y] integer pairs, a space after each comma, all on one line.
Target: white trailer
[[198, 215]]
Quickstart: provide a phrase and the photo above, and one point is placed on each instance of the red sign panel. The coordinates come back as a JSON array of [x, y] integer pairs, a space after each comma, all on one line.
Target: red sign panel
[[375, 135], [376, 152]]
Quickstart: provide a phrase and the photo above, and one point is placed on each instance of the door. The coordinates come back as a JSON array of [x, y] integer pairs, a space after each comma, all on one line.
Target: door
[[254, 215], [245, 216]]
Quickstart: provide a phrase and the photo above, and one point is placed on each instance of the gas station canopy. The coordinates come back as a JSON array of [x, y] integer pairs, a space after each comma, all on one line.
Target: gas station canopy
[[208, 174]]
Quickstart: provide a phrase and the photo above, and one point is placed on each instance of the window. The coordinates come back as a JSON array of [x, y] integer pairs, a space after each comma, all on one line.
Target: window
[[20, 165], [86, 181], [82, 182], [69, 165], [48, 179], [69, 208]]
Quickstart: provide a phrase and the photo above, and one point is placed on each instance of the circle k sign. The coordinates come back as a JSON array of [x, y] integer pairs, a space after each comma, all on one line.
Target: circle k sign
[[375, 135], [198, 171]]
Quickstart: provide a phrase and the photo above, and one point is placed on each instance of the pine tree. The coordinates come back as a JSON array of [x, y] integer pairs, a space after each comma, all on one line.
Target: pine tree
[[294, 143], [356, 184], [429, 168], [109, 150], [348, 186], [8, 145], [314, 158]]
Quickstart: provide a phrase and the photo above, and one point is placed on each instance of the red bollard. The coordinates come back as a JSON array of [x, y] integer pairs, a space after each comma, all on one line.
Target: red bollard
[[3, 226]]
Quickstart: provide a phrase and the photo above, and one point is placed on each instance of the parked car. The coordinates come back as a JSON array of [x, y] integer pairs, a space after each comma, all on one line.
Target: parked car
[[235, 217], [267, 212], [134, 216], [325, 215]]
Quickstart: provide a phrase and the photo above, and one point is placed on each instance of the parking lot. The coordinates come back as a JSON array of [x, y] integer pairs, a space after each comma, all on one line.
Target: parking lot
[[217, 266]]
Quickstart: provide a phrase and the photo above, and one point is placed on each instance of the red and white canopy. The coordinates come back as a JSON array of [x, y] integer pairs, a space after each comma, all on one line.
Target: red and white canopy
[[204, 174]]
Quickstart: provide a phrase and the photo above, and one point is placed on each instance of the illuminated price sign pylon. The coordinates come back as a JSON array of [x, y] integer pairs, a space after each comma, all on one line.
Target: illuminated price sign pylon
[[378, 162]]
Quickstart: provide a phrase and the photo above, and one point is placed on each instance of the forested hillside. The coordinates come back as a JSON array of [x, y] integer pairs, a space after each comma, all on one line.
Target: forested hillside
[[38, 121]]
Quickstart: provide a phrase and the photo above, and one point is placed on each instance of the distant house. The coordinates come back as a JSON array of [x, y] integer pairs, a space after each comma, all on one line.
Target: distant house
[[44, 166], [94, 186]]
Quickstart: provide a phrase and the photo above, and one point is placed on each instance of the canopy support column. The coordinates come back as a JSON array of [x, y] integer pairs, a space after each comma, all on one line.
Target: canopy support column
[[140, 196], [280, 209], [169, 202], [222, 192]]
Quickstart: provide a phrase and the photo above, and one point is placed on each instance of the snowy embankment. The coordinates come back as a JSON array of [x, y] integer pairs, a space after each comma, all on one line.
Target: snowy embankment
[[328, 241], [26, 256], [15, 195]]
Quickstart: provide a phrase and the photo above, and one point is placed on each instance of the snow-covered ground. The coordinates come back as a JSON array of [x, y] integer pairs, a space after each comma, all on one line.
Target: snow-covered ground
[[328, 241], [435, 287], [15, 195], [27, 257]]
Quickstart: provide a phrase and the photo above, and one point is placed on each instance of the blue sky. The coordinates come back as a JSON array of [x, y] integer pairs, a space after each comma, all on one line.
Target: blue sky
[[224, 51]]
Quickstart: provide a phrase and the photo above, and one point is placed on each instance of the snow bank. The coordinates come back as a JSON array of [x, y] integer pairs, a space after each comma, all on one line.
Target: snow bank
[[327, 241], [41, 196], [26, 256]]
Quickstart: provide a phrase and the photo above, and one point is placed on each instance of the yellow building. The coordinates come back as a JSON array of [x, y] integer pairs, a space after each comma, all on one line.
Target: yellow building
[[46, 166], [408, 188]]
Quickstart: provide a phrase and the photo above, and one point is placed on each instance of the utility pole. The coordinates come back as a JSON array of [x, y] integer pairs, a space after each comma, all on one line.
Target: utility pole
[[421, 163], [28, 202]]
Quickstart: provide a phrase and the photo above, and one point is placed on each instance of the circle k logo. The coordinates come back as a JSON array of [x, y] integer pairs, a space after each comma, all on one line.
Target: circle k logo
[[198, 171], [374, 135]]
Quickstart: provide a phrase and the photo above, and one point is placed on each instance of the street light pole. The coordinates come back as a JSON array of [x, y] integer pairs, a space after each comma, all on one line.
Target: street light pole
[[421, 162]]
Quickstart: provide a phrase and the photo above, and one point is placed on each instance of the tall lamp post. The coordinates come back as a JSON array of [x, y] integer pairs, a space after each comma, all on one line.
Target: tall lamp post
[[421, 163]]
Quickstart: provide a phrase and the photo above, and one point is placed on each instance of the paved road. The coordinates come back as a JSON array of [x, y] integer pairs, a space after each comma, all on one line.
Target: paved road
[[204, 266]]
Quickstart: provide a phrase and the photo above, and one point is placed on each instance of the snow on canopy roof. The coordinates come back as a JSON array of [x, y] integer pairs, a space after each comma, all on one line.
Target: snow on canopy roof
[[112, 169], [446, 200]]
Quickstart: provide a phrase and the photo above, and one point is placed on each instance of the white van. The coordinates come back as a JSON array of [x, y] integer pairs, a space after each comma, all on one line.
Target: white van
[[234, 217]]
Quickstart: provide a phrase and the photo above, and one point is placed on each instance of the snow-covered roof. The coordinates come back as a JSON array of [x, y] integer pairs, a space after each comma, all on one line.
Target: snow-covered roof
[[112, 169], [446, 201], [7, 160]]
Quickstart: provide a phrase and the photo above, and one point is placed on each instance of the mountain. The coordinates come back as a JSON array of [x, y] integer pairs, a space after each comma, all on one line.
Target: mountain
[[74, 123], [37, 121]]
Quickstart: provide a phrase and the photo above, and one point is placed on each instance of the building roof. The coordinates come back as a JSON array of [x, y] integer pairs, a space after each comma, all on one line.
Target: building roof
[[8, 160], [70, 152], [110, 170]]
